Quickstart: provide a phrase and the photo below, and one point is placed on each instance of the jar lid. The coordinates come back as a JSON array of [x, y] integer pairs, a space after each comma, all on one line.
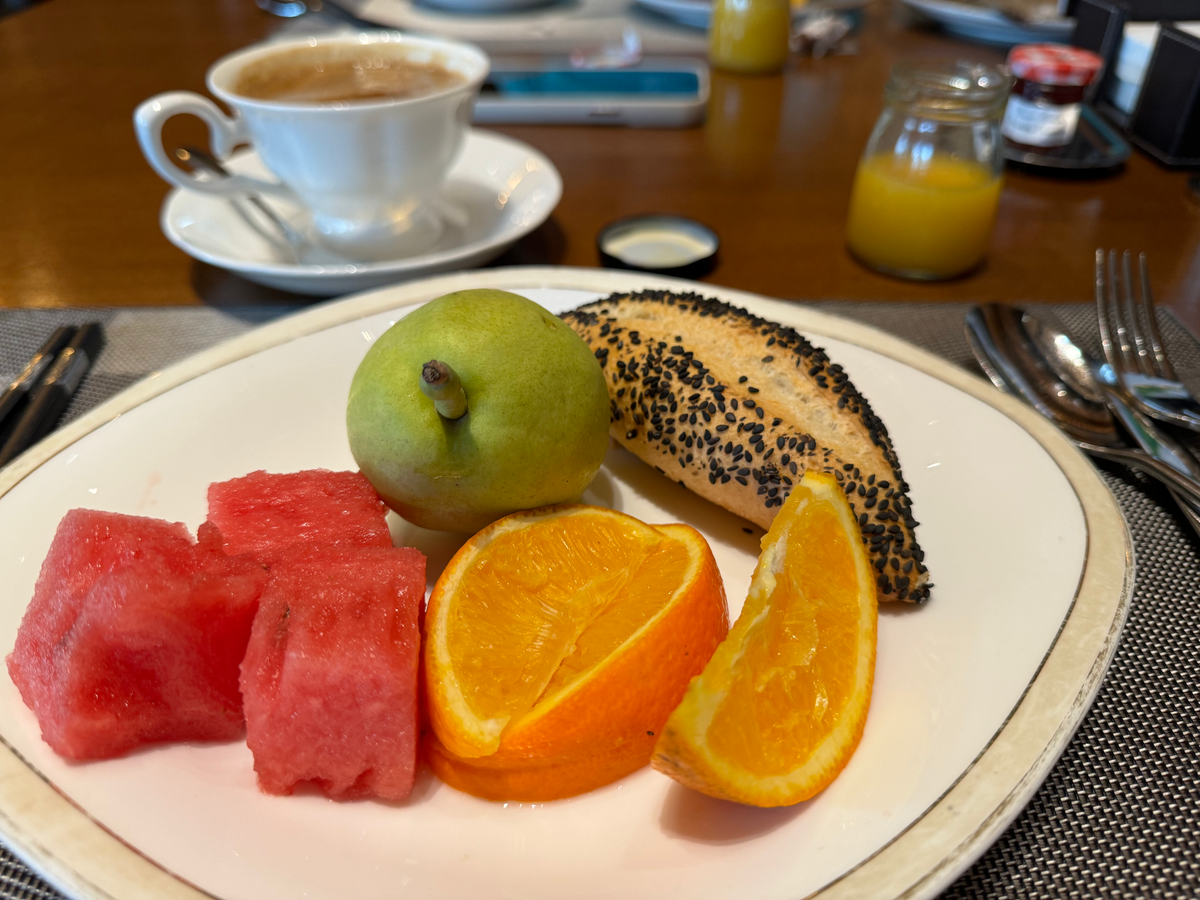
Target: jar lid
[[666, 245], [1055, 64]]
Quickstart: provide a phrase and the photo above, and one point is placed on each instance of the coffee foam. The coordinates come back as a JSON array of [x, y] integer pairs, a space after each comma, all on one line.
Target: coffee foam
[[328, 73]]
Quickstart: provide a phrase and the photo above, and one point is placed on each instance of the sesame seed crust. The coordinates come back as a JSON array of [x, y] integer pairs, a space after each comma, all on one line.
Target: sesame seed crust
[[736, 407]]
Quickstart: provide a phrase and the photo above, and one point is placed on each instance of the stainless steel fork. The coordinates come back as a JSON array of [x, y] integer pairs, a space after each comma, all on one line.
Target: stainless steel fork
[[1133, 345]]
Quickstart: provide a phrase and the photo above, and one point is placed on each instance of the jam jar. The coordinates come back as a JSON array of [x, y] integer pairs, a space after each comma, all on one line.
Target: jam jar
[[1047, 98]]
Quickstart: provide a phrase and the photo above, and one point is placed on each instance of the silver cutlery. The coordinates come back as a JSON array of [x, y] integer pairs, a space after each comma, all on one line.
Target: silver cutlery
[[1091, 380], [1010, 345], [200, 159], [1133, 345]]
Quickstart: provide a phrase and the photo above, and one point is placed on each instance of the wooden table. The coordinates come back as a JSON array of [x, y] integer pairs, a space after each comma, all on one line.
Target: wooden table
[[771, 172]]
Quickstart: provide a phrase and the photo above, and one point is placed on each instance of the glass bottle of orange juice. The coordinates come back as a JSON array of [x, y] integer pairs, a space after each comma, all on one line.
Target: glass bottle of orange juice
[[749, 36], [925, 196]]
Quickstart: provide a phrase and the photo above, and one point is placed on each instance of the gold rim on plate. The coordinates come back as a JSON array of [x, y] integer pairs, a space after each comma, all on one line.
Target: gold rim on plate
[[73, 851]]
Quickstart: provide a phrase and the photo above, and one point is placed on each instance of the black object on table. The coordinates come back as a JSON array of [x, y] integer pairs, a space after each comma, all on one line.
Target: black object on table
[[1095, 148], [1166, 120], [1100, 27], [12, 401], [48, 399]]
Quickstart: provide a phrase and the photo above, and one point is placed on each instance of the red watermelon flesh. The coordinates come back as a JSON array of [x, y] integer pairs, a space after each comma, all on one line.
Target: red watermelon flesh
[[330, 674], [262, 514], [134, 635], [209, 537]]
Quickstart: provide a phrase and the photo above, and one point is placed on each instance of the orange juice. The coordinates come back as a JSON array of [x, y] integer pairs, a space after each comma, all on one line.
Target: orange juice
[[749, 36], [930, 220]]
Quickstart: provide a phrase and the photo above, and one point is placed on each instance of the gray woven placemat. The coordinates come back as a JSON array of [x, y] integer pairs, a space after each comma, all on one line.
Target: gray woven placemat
[[1119, 815]]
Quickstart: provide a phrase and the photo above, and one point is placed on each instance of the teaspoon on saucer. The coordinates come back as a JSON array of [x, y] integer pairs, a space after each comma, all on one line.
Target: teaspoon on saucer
[[296, 244]]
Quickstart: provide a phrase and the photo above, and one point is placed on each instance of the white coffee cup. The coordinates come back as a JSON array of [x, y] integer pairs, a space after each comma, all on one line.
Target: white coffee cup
[[368, 171]]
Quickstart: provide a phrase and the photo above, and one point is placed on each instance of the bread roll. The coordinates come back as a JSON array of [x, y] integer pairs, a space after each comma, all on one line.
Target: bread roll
[[736, 408]]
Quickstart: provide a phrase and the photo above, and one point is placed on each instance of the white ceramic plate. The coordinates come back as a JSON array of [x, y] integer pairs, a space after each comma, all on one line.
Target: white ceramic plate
[[990, 26], [485, 6], [558, 29], [976, 693], [498, 191]]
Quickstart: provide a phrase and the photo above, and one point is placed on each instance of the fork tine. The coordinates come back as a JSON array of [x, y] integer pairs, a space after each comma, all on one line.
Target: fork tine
[[1133, 322], [1118, 287], [1106, 336], [1157, 353], [1112, 308]]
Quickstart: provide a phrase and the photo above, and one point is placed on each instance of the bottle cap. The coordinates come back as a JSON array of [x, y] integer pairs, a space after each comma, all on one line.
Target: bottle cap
[[665, 245], [1055, 64]]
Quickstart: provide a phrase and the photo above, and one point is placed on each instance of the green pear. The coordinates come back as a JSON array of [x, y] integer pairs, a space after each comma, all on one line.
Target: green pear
[[477, 404]]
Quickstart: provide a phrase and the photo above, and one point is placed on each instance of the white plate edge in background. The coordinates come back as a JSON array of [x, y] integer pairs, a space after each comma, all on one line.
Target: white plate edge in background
[[989, 25], [74, 852]]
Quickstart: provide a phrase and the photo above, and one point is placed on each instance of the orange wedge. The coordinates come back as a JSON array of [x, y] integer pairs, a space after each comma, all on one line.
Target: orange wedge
[[780, 707], [557, 643]]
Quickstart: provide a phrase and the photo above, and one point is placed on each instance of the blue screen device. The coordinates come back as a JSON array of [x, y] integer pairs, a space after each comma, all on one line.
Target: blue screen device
[[670, 93], [624, 82]]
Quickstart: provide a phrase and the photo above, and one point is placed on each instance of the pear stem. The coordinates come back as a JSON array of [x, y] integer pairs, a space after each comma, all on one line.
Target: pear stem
[[441, 384]]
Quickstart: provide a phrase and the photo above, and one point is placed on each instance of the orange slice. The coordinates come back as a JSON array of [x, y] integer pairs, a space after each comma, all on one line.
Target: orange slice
[[557, 643], [780, 707]]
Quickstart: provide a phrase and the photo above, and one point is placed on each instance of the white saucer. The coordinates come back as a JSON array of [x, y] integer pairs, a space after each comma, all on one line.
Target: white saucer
[[498, 191]]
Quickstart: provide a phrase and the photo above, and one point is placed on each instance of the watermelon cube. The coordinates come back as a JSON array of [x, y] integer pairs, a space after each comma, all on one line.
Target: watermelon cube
[[330, 674], [134, 635], [262, 514]]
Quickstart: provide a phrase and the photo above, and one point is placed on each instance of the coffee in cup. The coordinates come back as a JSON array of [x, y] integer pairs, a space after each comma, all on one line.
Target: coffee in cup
[[325, 74], [361, 129]]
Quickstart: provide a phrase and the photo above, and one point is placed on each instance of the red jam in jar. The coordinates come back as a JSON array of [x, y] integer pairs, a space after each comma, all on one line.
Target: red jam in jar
[[1047, 98]]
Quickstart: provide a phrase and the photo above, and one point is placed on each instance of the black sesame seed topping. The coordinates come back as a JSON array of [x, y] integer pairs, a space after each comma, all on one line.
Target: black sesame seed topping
[[644, 368]]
